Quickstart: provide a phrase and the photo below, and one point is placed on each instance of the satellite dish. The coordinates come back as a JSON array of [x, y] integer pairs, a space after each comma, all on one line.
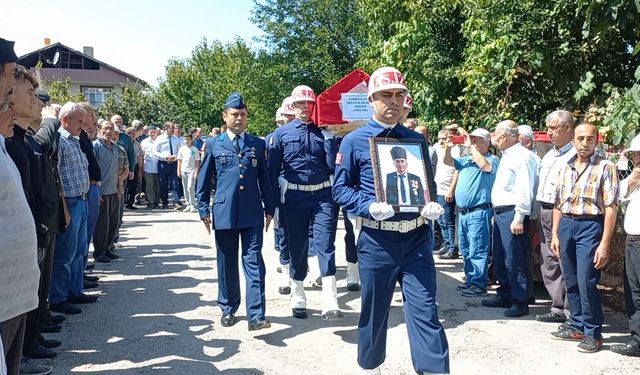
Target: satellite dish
[[56, 59]]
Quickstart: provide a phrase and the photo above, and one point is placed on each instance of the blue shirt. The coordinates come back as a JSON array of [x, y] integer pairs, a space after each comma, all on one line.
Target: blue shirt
[[474, 186], [73, 165], [107, 158], [300, 152]]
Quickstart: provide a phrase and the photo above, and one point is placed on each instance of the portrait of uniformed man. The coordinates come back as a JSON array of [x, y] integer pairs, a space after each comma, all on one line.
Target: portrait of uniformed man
[[402, 187]]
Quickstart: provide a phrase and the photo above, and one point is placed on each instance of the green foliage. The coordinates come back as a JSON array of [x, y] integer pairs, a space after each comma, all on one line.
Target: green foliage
[[60, 91], [317, 40], [197, 87], [136, 103]]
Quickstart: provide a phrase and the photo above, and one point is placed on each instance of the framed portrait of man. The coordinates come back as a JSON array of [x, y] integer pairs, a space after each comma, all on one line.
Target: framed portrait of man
[[402, 173]]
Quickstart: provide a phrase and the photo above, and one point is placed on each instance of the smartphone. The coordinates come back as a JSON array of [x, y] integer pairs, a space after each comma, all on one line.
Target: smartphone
[[457, 139]]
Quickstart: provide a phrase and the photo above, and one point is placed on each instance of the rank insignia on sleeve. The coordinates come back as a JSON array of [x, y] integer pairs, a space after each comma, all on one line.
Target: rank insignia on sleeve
[[339, 158]]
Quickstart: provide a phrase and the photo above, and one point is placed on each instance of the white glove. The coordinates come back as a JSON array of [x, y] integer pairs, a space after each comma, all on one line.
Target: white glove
[[283, 188], [381, 210], [276, 218], [328, 134], [432, 211]]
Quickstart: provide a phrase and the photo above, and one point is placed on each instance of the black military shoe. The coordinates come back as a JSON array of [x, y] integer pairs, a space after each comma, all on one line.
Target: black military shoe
[[111, 255], [299, 312], [496, 301], [89, 285], [516, 311], [83, 298], [332, 315], [228, 320], [258, 324], [102, 259], [49, 344]]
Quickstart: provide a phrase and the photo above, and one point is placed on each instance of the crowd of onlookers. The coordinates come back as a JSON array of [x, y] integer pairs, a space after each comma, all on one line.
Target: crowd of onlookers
[[67, 178], [568, 199]]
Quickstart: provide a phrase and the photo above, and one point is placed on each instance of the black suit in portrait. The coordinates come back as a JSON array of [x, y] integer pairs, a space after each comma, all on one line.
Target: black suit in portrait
[[415, 193]]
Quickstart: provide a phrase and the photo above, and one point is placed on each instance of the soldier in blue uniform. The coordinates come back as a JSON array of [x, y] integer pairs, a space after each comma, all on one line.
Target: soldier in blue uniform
[[235, 167], [303, 157], [280, 242], [391, 246]]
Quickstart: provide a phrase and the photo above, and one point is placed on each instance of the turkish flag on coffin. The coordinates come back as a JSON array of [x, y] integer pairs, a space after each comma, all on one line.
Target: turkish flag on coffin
[[328, 111]]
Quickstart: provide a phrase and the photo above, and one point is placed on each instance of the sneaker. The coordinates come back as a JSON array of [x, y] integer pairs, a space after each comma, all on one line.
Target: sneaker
[[474, 291], [590, 345], [462, 287], [570, 334], [564, 326], [27, 367]]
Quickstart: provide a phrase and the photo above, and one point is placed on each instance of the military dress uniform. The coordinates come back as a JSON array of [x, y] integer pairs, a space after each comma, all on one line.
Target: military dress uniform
[[243, 195], [395, 249], [306, 160]]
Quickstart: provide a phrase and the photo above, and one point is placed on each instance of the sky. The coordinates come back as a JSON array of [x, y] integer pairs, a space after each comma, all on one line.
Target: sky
[[136, 36]]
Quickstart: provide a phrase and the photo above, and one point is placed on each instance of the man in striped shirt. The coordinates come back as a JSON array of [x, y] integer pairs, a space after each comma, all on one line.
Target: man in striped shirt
[[584, 219]]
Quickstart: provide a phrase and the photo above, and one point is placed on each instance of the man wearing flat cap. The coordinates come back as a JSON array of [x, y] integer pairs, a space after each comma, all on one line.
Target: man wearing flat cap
[[235, 167], [403, 188]]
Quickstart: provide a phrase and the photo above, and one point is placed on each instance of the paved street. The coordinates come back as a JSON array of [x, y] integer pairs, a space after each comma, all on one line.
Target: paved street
[[157, 315]]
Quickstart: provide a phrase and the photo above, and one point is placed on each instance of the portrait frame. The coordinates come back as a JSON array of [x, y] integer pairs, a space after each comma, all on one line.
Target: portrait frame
[[408, 185]]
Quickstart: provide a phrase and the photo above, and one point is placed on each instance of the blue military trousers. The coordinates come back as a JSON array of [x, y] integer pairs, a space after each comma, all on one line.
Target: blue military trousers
[[254, 270], [579, 239], [384, 258], [510, 259], [67, 275], [474, 239], [307, 213]]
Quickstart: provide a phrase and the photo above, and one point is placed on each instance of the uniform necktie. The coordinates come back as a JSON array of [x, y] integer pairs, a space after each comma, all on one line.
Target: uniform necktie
[[403, 191], [236, 143]]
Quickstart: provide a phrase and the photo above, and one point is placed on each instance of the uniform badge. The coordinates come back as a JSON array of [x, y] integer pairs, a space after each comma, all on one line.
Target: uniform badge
[[254, 162], [339, 158]]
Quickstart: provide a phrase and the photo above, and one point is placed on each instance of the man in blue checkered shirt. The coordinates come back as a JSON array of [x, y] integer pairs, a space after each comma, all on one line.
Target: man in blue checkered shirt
[[67, 274]]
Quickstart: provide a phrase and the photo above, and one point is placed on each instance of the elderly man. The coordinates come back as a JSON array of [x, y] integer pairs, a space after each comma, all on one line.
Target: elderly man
[[150, 168], [630, 196], [511, 197], [67, 275], [402, 187], [584, 220], [391, 246], [106, 153], [165, 150], [476, 176], [560, 130]]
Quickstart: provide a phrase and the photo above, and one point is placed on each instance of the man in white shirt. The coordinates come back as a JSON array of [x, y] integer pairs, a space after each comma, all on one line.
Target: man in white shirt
[[166, 149], [188, 164], [560, 130], [150, 168], [630, 195], [511, 196]]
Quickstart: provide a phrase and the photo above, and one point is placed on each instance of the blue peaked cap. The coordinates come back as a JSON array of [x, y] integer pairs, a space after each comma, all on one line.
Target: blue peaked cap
[[235, 101]]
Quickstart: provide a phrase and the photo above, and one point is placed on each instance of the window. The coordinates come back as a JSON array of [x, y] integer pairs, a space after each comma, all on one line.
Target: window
[[97, 95]]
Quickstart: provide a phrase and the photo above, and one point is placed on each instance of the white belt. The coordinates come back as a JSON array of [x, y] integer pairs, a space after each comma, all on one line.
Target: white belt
[[403, 226], [315, 187]]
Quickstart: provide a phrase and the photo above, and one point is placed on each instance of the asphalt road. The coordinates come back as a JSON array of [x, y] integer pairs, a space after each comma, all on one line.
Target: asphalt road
[[157, 315]]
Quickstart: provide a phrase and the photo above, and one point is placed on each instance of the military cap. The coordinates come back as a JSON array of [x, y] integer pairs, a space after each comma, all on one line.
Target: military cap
[[7, 54], [398, 152], [235, 101]]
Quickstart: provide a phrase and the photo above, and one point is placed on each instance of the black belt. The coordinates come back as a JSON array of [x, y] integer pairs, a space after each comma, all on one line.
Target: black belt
[[589, 217], [502, 209], [474, 208], [547, 206], [633, 237]]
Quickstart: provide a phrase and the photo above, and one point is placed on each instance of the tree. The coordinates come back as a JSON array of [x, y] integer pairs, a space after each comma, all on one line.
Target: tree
[[60, 91], [197, 87], [318, 40], [136, 103]]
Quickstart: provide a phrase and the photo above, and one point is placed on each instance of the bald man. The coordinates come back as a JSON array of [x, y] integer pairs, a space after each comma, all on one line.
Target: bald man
[[511, 195]]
